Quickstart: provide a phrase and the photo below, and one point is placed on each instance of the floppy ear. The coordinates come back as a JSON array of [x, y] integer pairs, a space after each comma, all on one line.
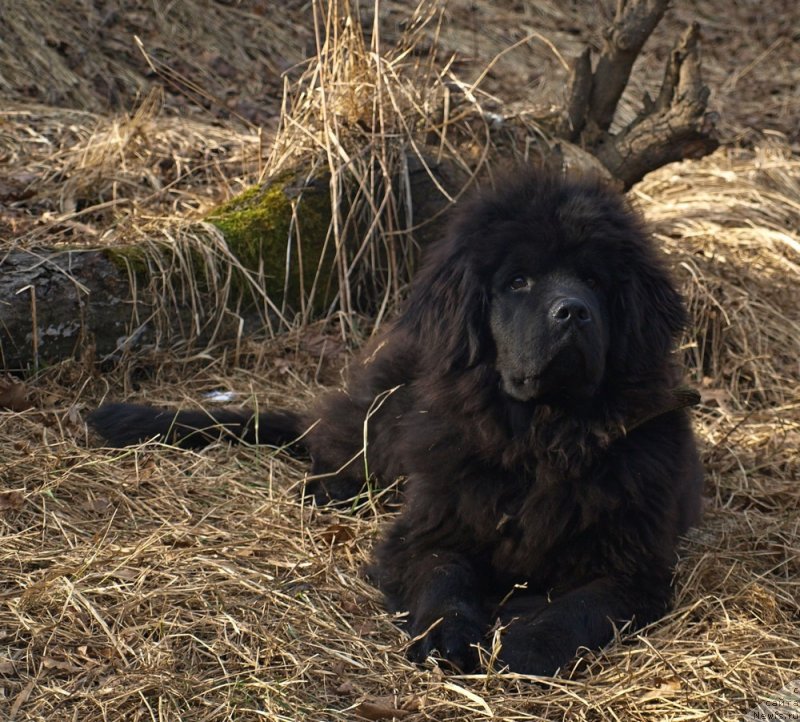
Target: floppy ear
[[648, 311], [446, 310]]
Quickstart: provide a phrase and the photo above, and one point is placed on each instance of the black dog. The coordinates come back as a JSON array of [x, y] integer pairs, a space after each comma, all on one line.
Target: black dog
[[529, 394]]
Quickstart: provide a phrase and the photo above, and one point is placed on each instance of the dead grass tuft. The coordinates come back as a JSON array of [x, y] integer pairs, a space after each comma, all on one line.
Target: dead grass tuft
[[364, 115], [731, 223]]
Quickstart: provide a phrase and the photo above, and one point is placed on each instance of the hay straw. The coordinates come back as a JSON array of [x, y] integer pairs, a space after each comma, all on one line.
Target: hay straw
[[157, 584], [732, 221]]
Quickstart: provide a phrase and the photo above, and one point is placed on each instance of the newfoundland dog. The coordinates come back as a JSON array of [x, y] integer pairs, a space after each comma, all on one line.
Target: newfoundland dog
[[529, 395]]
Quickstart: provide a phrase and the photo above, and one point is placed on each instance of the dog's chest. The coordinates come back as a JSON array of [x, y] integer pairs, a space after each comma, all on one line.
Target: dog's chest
[[523, 521]]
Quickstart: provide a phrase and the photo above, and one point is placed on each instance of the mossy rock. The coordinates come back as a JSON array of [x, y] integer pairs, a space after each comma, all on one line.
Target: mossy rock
[[262, 227]]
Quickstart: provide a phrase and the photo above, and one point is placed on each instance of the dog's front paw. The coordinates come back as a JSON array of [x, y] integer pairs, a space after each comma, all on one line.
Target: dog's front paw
[[453, 639], [334, 490], [523, 653]]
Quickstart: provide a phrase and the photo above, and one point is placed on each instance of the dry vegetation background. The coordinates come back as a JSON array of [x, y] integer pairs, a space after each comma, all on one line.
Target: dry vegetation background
[[153, 584]]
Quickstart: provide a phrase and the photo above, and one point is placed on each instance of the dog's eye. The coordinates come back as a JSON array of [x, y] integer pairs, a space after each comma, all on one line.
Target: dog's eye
[[518, 283], [591, 281]]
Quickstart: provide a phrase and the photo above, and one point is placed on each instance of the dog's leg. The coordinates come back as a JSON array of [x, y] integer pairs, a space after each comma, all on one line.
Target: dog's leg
[[438, 586], [445, 611], [353, 442], [543, 638]]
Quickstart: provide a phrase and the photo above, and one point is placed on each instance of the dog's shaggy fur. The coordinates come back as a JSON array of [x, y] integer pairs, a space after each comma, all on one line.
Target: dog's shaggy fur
[[527, 394]]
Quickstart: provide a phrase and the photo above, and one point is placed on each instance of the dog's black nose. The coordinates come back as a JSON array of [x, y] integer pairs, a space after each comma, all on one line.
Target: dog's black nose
[[571, 310]]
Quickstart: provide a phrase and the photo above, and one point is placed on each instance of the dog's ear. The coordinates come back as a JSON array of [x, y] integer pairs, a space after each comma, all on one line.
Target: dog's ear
[[446, 311], [648, 310]]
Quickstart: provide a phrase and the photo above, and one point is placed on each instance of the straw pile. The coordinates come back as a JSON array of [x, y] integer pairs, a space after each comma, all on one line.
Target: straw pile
[[156, 584]]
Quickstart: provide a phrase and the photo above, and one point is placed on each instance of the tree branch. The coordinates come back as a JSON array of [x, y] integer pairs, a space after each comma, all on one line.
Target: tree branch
[[580, 91], [633, 23], [674, 127]]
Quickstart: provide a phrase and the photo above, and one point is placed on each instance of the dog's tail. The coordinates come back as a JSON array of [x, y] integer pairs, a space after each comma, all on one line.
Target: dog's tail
[[128, 424]]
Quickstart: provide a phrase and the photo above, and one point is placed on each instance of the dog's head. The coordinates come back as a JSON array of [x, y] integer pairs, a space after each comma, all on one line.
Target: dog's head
[[554, 283]]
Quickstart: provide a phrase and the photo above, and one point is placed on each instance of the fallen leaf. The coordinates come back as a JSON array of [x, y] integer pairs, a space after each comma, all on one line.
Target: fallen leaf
[[346, 687], [21, 698], [11, 501], [100, 505], [322, 346], [59, 665], [337, 534], [91, 654], [366, 627], [13, 394], [379, 708], [125, 574], [351, 605], [665, 690], [74, 415]]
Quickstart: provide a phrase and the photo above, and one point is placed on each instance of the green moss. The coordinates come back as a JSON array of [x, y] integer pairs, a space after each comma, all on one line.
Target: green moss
[[257, 225], [128, 257]]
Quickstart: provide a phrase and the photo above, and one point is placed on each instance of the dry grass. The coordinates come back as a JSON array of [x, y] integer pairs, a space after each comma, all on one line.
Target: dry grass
[[357, 115], [158, 584], [225, 57], [743, 293], [82, 179]]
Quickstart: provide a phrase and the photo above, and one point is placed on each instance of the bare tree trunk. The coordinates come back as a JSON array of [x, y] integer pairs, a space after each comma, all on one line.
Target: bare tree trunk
[[53, 303], [90, 304]]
